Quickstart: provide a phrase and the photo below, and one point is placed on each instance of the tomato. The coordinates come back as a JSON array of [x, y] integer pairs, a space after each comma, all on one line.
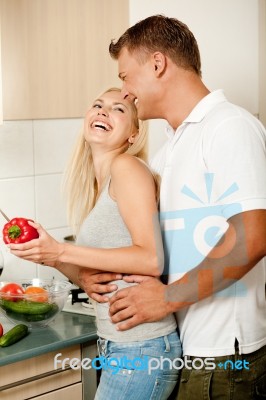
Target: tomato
[[36, 293], [1, 330], [11, 291]]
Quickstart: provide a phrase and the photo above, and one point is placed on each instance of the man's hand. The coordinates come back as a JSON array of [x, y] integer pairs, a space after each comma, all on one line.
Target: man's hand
[[96, 284], [141, 303]]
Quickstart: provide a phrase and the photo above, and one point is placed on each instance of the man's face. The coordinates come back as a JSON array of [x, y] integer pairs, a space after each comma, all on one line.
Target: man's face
[[138, 82]]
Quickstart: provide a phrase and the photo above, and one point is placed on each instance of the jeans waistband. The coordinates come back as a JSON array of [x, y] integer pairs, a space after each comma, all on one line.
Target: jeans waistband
[[104, 345]]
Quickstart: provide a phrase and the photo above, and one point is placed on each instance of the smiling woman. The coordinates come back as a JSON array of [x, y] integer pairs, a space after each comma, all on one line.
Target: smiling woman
[[113, 206], [108, 113]]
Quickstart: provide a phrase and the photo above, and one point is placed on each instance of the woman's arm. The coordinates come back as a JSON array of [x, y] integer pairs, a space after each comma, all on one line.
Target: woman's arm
[[133, 188], [74, 272]]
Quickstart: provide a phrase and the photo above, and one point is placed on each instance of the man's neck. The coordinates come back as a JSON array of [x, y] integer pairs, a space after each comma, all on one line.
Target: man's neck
[[182, 97]]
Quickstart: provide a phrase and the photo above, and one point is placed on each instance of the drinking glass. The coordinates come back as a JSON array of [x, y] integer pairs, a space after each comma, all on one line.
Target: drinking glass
[[1, 262]]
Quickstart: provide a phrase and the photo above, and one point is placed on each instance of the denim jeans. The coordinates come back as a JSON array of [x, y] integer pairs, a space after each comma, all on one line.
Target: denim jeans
[[138, 370], [226, 384]]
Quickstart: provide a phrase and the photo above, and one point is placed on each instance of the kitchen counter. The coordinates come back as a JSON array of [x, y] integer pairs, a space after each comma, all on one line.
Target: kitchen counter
[[66, 330]]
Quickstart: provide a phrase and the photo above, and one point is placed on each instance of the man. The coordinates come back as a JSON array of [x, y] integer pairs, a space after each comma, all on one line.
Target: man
[[213, 169]]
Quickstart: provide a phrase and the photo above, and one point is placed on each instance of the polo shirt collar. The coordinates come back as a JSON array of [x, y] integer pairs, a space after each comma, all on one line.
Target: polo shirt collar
[[201, 109]]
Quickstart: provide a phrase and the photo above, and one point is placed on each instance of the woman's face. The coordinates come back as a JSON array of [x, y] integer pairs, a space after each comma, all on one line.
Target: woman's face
[[109, 122]]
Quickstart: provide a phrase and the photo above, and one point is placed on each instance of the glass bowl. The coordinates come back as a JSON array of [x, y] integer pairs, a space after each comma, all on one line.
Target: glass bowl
[[39, 305]]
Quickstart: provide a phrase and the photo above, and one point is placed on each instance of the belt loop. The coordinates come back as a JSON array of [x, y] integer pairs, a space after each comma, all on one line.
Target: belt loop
[[238, 373], [167, 344], [236, 346], [102, 346], [238, 354]]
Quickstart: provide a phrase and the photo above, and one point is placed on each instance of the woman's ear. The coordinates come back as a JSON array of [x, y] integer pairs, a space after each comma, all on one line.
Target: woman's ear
[[132, 138]]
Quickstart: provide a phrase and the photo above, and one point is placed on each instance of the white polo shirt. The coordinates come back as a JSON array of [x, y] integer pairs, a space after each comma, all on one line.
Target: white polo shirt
[[213, 167]]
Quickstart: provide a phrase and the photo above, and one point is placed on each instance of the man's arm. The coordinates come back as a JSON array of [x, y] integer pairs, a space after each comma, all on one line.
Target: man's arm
[[241, 248]]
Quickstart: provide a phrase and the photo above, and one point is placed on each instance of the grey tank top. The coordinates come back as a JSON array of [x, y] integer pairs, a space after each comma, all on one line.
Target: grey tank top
[[105, 228]]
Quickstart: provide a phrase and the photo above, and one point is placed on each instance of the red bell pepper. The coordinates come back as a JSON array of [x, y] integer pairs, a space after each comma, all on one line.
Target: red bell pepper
[[19, 231]]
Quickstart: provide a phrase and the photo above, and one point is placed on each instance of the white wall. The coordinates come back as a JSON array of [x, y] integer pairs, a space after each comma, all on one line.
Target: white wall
[[227, 35], [33, 155], [1, 98], [262, 61]]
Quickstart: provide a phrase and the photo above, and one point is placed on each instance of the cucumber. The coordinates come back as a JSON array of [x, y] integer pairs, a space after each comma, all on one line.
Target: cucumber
[[16, 316], [26, 307], [33, 317], [42, 317], [14, 335]]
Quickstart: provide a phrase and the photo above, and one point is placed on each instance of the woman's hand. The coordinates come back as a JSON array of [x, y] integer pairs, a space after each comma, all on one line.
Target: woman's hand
[[97, 284], [44, 250]]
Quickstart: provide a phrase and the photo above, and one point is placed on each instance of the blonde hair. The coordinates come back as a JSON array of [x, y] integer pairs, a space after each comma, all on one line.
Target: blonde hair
[[80, 185]]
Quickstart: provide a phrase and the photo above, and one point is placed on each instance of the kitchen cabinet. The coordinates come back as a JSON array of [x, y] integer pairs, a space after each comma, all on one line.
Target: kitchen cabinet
[[36, 376], [55, 57], [1, 104], [39, 378], [64, 394]]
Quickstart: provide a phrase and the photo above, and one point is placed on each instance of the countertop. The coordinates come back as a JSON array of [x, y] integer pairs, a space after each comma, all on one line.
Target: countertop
[[66, 330]]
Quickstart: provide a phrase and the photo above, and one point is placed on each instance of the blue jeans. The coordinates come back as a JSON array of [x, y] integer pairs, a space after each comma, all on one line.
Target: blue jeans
[[139, 370]]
